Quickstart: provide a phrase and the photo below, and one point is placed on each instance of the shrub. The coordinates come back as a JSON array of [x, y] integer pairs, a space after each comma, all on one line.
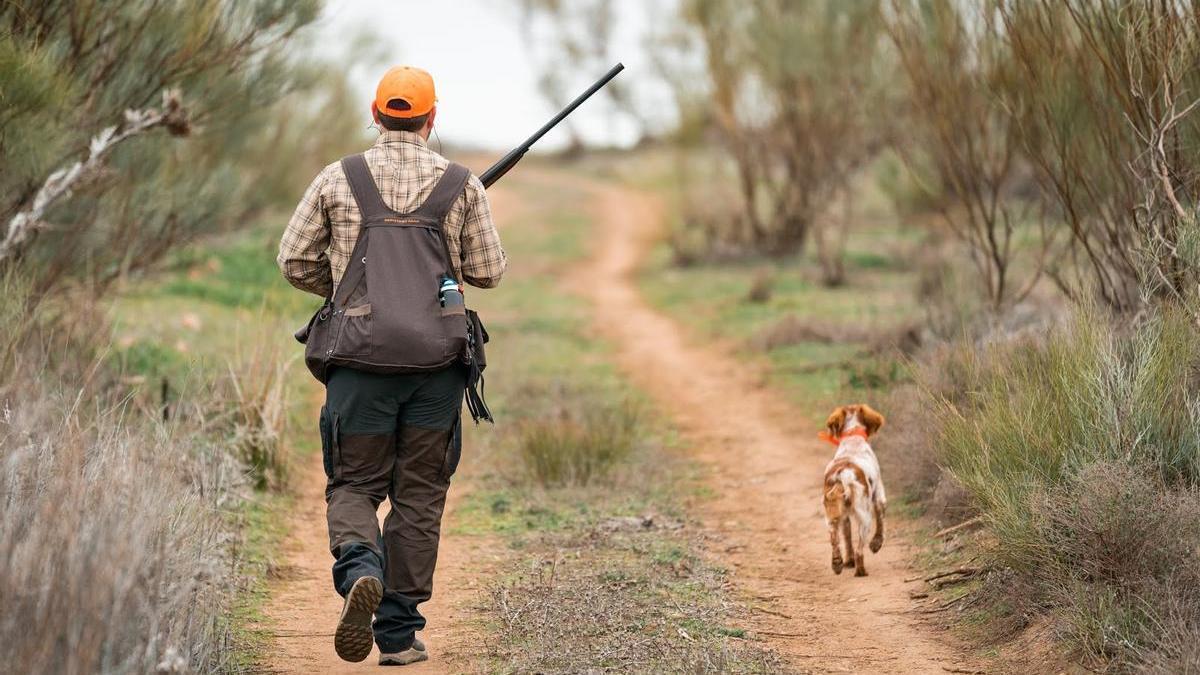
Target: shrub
[[116, 556], [581, 441], [225, 59], [1081, 449], [1121, 559], [117, 552], [708, 234]]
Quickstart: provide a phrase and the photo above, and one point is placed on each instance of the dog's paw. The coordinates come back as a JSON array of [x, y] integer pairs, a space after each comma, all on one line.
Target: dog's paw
[[876, 544], [849, 562], [860, 570], [837, 566]]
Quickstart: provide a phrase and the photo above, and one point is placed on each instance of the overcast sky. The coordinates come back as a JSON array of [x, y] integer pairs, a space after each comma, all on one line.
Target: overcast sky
[[485, 76]]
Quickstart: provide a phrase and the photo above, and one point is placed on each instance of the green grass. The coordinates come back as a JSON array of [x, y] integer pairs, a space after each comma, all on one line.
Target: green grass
[[263, 524]]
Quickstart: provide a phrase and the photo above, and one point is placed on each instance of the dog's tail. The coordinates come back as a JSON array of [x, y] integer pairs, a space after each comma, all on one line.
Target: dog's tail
[[839, 489], [846, 482]]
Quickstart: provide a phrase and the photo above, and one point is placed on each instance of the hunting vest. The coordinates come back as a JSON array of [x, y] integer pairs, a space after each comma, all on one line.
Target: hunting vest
[[386, 315]]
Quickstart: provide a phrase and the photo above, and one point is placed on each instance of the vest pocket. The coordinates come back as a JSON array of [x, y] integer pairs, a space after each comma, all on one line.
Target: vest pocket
[[454, 328], [354, 336]]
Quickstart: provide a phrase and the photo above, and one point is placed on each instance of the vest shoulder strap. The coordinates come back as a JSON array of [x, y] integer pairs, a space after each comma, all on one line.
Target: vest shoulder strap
[[362, 184], [448, 188]]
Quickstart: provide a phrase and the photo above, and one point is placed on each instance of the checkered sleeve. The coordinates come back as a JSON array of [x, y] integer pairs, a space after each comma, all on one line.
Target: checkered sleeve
[[483, 258], [303, 250]]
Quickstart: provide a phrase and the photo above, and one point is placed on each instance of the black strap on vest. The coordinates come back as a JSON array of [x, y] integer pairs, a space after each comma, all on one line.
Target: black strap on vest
[[435, 207], [366, 193], [370, 202], [445, 193], [440, 201]]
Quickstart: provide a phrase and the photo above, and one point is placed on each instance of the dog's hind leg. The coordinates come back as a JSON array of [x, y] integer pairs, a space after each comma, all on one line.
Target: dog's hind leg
[[849, 542], [862, 514], [877, 540], [879, 502], [833, 541]]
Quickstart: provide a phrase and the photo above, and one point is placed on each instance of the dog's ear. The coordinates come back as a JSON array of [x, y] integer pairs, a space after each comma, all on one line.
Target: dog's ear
[[836, 420], [871, 418]]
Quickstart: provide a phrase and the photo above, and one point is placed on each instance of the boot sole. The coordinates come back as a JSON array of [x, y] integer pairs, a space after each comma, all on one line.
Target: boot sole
[[353, 638]]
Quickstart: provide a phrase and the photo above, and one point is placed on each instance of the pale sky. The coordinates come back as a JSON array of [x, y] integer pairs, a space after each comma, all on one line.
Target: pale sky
[[486, 78]]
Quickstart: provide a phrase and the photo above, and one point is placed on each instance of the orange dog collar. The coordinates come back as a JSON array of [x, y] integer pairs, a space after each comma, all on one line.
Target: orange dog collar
[[837, 440]]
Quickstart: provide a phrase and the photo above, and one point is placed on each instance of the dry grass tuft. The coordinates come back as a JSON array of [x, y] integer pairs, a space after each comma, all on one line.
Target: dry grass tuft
[[761, 287], [258, 403], [116, 556], [582, 438]]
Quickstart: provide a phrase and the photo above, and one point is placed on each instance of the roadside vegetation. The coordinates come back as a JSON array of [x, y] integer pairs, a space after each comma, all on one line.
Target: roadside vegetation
[[979, 216], [144, 390]]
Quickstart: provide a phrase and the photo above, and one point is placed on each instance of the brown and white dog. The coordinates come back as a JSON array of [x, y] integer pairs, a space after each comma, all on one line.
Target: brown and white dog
[[854, 496]]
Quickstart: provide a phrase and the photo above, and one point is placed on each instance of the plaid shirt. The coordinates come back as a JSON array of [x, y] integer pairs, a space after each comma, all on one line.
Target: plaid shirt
[[315, 248]]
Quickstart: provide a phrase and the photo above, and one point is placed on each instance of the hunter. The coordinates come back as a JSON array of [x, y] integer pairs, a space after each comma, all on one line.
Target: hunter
[[388, 237]]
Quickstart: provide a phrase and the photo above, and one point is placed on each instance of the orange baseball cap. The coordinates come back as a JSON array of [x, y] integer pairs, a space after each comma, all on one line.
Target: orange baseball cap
[[404, 92]]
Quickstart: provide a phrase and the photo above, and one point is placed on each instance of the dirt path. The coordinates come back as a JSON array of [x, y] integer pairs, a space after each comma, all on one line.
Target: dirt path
[[766, 467]]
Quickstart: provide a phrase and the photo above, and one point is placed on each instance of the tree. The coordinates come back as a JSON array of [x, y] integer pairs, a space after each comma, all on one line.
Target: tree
[[1096, 102], [1106, 95], [794, 88], [75, 71], [567, 38], [955, 60]]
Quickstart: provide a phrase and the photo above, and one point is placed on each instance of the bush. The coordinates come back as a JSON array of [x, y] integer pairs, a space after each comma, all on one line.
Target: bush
[[116, 556], [581, 441], [200, 173], [1081, 449], [708, 234], [118, 552]]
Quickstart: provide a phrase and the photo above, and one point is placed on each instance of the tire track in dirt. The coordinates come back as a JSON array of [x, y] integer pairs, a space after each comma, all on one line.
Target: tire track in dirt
[[765, 467]]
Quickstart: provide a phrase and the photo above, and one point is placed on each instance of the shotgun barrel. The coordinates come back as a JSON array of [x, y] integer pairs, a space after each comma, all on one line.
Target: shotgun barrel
[[497, 170]]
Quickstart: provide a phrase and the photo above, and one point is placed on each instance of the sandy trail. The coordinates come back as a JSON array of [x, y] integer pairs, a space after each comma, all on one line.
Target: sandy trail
[[766, 467]]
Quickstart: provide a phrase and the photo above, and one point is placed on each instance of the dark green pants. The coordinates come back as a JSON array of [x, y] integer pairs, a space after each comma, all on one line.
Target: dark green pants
[[396, 437]]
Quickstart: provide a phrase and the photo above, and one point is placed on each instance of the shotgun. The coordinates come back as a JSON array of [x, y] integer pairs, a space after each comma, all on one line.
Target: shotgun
[[497, 170]]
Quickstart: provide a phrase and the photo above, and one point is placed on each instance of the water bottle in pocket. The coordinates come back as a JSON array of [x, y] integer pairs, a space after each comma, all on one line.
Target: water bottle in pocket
[[451, 298]]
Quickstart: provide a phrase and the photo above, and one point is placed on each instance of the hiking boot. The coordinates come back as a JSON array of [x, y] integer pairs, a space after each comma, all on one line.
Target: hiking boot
[[353, 638], [418, 645], [410, 655]]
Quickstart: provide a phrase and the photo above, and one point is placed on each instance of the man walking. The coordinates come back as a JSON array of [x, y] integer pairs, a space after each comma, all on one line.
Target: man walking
[[387, 237]]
